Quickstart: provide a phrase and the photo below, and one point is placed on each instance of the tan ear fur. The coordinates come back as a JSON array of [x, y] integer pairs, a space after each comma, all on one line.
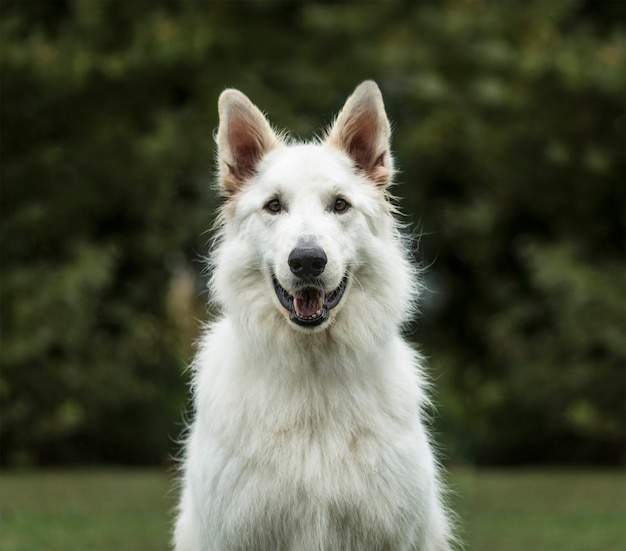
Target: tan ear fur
[[362, 131], [244, 136]]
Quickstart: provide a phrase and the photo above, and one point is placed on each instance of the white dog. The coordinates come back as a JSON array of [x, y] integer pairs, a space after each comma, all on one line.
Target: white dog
[[309, 427]]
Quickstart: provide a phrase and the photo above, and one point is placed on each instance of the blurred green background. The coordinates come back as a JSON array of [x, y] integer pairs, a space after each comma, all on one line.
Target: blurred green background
[[509, 130], [508, 125]]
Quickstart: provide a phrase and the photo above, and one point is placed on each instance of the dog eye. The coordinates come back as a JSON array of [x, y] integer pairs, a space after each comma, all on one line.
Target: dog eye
[[274, 206], [341, 205]]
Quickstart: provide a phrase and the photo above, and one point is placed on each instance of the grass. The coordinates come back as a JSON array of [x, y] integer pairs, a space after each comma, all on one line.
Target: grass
[[127, 510], [541, 510], [85, 511]]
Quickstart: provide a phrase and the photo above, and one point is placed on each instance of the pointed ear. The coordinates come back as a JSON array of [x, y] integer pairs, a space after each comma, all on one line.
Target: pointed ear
[[244, 136], [362, 131]]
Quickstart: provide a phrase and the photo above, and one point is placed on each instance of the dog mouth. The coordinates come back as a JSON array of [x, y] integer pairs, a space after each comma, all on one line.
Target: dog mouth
[[309, 306]]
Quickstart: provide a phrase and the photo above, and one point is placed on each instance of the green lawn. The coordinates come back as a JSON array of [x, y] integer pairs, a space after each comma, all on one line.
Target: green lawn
[[129, 510], [548, 510], [85, 511]]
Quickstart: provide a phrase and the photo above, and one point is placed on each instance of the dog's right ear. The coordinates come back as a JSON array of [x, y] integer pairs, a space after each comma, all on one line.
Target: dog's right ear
[[244, 136], [362, 131]]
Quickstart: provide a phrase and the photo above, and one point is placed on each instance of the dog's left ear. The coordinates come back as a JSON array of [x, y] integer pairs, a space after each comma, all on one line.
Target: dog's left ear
[[244, 136], [362, 131]]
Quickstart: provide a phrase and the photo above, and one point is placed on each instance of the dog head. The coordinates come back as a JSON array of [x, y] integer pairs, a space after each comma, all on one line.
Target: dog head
[[306, 224]]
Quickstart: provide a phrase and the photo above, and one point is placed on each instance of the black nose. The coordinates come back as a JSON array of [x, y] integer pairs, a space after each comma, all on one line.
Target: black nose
[[307, 261]]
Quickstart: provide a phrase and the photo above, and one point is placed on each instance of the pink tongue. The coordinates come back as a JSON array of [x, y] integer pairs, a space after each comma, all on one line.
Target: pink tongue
[[308, 302]]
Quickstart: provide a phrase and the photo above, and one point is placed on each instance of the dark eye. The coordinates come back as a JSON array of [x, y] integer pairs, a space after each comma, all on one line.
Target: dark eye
[[274, 206], [341, 205]]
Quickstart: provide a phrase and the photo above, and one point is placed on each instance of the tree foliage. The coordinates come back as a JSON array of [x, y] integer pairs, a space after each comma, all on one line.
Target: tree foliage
[[509, 131]]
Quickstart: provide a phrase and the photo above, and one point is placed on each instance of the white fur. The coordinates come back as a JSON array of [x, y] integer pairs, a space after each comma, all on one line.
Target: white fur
[[309, 438]]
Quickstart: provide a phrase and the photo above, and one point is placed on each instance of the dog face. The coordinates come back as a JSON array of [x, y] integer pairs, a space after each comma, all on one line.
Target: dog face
[[301, 212], [308, 214]]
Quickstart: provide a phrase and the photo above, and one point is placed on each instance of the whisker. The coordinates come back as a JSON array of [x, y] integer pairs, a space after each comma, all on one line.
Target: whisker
[[355, 279]]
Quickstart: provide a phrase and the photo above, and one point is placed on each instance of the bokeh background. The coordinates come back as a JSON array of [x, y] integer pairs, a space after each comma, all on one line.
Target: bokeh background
[[509, 130]]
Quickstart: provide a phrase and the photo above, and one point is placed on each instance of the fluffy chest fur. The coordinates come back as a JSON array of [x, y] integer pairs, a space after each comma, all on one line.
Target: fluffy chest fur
[[291, 448]]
